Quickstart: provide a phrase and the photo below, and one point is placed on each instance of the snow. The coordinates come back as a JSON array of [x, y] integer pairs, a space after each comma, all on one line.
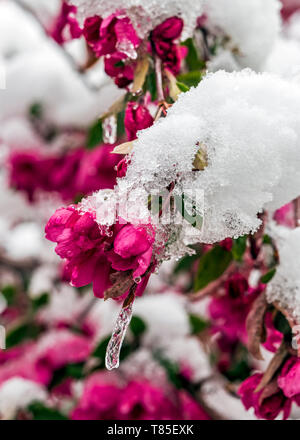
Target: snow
[[144, 14], [18, 393], [284, 287], [252, 27], [249, 125]]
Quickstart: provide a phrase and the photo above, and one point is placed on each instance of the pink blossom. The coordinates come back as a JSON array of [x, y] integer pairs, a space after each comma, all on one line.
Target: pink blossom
[[229, 311], [74, 173], [163, 42], [289, 8], [285, 216], [38, 361], [190, 409], [289, 378], [66, 22], [122, 167], [97, 170], [92, 256], [100, 398], [26, 172], [268, 407], [105, 36], [137, 117], [118, 67]]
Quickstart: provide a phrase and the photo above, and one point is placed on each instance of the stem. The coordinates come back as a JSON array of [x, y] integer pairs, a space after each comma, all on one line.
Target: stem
[[158, 74], [296, 204]]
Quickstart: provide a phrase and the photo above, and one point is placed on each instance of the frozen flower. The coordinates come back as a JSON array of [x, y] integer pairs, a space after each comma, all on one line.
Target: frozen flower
[[270, 405], [18, 393], [137, 117], [94, 256]]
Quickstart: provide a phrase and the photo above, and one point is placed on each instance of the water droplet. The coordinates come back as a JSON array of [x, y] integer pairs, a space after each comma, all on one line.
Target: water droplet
[[137, 280], [112, 358]]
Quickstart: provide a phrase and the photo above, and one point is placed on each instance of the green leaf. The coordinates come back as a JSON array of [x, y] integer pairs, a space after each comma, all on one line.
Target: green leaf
[[185, 263], [239, 248], [75, 370], [36, 110], [197, 324], [95, 135], [281, 324], [100, 350], [22, 333], [190, 79], [120, 123], [268, 276], [192, 59], [182, 87], [172, 370], [9, 293], [41, 301], [42, 412], [150, 84], [267, 239], [211, 266], [137, 326]]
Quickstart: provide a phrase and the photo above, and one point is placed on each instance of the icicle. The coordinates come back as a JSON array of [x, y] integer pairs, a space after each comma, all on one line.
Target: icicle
[[116, 340], [110, 130]]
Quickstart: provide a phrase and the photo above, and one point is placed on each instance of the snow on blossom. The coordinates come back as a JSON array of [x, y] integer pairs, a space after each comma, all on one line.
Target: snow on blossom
[[145, 15], [284, 287], [248, 126], [251, 26], [17, 393]]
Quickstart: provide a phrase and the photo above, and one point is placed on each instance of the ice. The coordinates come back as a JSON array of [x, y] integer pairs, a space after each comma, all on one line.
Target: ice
[[284, 287], [252, 27], [112, 358], [144, 14], [250, 126]]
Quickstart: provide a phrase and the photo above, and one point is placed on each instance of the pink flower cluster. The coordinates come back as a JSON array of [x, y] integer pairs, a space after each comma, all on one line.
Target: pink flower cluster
[[37, 361], [76, 173], [163, 39], [106, 398], [94, 255], [116, 40], [277, 396]]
